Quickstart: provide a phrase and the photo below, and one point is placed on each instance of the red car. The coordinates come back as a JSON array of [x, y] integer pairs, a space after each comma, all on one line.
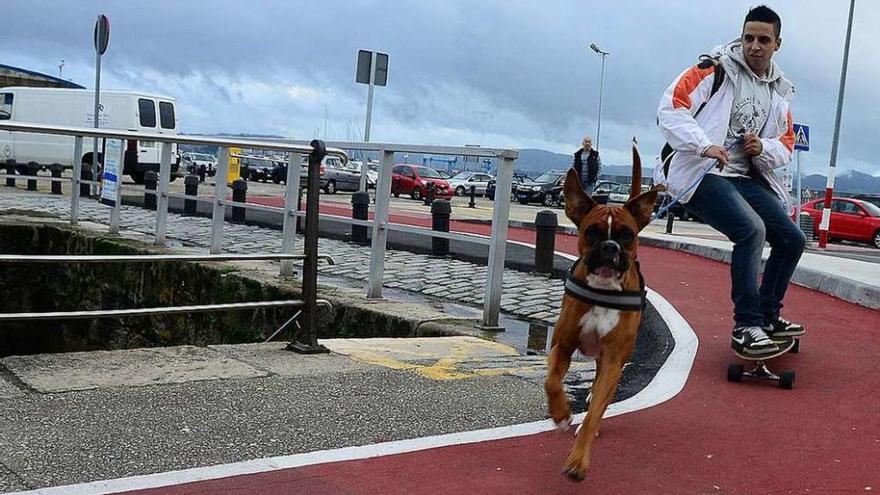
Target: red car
[[851, 219], [415, 181]]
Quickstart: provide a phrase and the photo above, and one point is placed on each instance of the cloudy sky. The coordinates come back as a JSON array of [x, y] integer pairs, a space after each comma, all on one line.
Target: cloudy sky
[[497, 73]]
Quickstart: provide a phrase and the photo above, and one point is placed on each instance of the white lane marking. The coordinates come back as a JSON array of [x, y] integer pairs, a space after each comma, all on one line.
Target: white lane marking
[[668, 382]]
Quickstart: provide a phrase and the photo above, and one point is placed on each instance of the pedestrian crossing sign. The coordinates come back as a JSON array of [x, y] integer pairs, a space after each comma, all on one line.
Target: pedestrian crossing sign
[[801, 137]]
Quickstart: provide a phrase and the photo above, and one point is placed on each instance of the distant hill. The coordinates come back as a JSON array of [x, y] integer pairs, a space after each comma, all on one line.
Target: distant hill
[[851, 181]]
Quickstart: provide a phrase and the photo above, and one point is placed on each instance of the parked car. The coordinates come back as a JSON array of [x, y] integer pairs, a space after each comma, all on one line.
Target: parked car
[[545, 189], [518, 178], [334, 176], [851, 219], [415, 181], [372, 173], [444, 174], [257, 169], [461, 183], [196, 161], [871, 198]]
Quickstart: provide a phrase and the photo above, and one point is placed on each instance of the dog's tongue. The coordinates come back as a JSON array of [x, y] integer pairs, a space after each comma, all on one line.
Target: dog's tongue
[[605, 272]]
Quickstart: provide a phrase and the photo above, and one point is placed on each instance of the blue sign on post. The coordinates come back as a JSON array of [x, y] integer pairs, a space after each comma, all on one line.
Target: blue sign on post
[[801, 137]]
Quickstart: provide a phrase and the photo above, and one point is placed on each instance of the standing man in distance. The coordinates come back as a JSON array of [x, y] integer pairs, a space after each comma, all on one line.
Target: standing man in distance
[[587, 164], [744, 128]]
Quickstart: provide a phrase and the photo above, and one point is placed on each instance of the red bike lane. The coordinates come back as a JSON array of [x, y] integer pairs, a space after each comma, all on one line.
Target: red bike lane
[[713, 437]]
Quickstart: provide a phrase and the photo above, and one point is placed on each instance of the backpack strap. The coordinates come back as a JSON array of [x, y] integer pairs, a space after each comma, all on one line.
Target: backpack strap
[[706, 61]]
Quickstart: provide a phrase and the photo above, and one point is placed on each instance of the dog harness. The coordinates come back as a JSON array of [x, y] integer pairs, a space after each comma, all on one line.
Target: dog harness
[[626, 300]]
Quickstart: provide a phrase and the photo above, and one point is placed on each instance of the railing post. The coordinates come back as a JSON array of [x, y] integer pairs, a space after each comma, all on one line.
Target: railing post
[[56, 169], [32, 168], [162, 199], [308, 317], [545, 240], [473, 201], [219, 214], [239, 195], [498, 245], [191, 188], [380, 233], [291, 206], [10, 173], [75, 180], [151, 181], [360, 210], [440, 213]]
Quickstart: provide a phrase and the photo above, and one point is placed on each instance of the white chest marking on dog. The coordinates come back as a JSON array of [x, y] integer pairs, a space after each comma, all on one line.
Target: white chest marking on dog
[[598, 319], [609, 226]]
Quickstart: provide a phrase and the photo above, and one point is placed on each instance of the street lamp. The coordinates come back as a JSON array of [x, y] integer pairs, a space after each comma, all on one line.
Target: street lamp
[[602, 54]]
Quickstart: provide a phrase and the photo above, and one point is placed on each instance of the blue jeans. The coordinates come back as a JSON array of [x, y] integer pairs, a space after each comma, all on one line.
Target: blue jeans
[[747, 213]]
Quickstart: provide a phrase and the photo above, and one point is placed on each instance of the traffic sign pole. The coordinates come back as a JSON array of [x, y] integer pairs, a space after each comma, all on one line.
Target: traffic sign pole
[[832, 164]]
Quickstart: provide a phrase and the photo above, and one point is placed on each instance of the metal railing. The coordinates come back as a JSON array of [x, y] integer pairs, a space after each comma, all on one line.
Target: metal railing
[[164, 310], [380, 225], [316, 151]]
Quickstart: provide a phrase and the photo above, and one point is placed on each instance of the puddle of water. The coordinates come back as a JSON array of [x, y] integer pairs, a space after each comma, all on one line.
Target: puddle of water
[[527, 337]]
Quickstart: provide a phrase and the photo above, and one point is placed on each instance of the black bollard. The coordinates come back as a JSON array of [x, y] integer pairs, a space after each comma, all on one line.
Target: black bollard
[[545, 240], [360, 207], [191, 188], [473, 203], [32, 168], [239, 195], [151, 182], [56, 169], [10, 173], [440, 212], [85, 190], [669, 221], [429, 194]]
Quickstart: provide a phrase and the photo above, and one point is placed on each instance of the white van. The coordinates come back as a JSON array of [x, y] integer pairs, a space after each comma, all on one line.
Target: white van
[[122, 110]]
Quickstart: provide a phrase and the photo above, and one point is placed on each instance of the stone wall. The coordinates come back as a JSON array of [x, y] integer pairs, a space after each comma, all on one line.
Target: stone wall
[[90, 286]]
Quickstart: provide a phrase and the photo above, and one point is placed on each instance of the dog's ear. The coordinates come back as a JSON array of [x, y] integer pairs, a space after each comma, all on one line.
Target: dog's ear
[[641, 207], [577, 203]]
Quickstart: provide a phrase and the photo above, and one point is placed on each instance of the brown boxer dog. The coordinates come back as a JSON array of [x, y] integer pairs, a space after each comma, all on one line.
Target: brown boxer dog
[[602, 306]]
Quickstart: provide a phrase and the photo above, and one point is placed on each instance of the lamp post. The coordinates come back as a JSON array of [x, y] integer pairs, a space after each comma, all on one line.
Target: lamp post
[[602, 54]]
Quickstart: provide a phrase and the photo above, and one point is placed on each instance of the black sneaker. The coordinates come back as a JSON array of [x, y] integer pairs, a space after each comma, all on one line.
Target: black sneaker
[[752, 341], [783, 328]]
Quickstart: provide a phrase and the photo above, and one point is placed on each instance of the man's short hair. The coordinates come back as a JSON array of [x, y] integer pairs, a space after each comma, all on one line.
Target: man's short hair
[[763, 13]]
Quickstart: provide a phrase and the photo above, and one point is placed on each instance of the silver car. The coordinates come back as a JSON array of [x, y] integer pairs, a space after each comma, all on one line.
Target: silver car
[[461, 182]]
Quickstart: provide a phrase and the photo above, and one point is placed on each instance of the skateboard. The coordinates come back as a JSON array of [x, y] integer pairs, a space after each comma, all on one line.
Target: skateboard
[[736, 372]]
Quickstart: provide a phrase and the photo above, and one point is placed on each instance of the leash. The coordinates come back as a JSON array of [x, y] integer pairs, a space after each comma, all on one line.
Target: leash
[[670, 203], [627, 300]]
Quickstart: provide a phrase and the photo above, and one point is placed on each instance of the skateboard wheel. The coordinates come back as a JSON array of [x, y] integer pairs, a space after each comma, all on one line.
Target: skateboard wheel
[[786, 380], [734, 372], [796, 348]]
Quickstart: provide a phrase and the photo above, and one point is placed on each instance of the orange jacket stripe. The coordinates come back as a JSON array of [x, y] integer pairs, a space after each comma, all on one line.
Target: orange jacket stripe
[[788, 138], [681, 97]]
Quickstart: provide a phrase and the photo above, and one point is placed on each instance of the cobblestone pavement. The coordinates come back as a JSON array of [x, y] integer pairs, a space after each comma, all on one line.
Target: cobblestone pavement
[[524, 295]]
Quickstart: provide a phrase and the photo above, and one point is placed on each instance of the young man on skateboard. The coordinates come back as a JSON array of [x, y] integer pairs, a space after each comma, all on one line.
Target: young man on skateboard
[[740, 130]]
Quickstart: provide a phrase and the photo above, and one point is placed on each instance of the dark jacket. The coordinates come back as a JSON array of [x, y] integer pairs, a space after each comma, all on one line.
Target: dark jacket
[[594, 165]]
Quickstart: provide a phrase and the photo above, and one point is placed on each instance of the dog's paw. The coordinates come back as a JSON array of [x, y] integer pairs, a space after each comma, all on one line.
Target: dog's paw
[[575, 474], [564, 425]]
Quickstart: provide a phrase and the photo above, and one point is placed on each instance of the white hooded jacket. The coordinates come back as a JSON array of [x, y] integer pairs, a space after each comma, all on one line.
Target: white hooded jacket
[[689, 135]]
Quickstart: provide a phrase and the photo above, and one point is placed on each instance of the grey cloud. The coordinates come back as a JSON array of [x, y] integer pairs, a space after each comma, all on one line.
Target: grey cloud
[[499, 68]]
